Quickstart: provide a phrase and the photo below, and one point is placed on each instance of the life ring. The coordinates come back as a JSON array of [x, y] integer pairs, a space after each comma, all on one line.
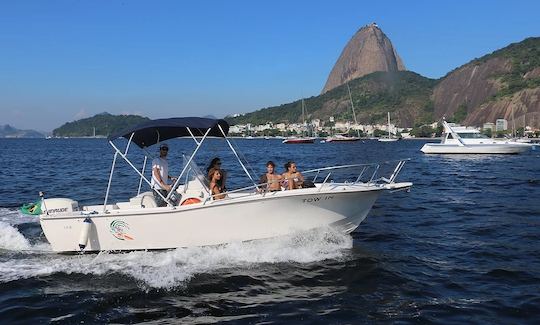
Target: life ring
[[191, 200]]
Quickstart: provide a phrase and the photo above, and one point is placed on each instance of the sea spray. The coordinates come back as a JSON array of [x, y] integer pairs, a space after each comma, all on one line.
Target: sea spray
[[174, 268], [11, 238]]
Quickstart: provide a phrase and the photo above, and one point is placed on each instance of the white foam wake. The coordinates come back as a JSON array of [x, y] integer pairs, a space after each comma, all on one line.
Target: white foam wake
[[15, 217], [11, 238], [173, 268]]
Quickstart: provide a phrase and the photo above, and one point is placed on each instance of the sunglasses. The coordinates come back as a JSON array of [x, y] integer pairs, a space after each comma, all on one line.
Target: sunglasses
[[165, 149]]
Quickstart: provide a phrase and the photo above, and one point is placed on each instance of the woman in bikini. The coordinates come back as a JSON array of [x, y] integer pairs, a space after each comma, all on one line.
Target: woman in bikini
[[271, 180], [292, 179], [216, 184], [216, 164]]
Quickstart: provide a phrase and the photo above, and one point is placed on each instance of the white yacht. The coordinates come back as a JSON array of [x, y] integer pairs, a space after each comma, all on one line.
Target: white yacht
[[466, 140], [195, 217]]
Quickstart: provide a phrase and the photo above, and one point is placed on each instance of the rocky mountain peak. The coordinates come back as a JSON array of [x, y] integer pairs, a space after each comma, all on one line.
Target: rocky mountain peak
[[369, 50]]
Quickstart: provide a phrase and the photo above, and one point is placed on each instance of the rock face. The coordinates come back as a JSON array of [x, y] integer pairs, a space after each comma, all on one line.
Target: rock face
[[470, 85], [368, 51], [525, 105], [476, 88]]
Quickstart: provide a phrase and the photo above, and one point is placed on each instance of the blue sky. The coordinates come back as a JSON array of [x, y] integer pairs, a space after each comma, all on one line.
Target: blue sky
[[64, 60]]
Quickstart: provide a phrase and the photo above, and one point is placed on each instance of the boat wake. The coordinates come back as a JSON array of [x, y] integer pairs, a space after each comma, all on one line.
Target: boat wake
[[11, 238], [167, 269]]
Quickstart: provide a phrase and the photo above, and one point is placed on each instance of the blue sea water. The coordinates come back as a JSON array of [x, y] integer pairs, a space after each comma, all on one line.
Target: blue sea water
[[462, 247]]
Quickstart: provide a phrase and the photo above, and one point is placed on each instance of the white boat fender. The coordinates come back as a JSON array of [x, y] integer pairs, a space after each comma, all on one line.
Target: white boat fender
[[85, 231]]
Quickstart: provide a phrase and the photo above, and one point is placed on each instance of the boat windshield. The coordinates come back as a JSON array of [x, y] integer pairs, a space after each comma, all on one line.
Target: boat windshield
[[194, 173], [471, 135]]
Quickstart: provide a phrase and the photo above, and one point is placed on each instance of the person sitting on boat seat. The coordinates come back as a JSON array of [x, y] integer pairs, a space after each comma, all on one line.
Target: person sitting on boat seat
[[292, 179], [271, 182], [216, 163], [160, 177], [215, 177]]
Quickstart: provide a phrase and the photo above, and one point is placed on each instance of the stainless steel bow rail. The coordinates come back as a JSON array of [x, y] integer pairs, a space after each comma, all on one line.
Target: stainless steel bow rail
[[351, 175]]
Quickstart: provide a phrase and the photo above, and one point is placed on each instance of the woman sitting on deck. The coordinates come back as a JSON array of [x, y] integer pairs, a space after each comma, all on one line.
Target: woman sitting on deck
[[271, 182], [216, 183], [292, 179]]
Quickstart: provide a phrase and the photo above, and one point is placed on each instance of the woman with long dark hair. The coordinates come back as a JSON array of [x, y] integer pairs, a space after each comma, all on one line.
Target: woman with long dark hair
[[292, 179], [216, 164]]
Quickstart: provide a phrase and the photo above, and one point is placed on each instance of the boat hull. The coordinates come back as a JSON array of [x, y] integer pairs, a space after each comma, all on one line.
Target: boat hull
[[344, 139], [299, 141], [503, 148], [218, 222]]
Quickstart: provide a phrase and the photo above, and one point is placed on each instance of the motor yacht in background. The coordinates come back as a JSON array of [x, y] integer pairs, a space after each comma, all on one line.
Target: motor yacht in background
[[339, 197], [466, 140]]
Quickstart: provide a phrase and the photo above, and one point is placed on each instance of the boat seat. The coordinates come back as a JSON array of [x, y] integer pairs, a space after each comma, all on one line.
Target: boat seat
[[143, 200], [195, 188]]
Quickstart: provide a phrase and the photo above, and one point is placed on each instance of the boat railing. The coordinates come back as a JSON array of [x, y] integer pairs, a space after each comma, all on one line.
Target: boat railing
[[374, 174]]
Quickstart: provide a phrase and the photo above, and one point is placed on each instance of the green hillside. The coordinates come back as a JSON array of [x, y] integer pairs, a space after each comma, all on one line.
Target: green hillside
[[105, 125], [403, 92], [525, 57], [408, 96]]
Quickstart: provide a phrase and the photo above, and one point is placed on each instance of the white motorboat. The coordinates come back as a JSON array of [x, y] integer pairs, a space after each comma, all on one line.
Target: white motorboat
[[465, 140], [341, 138], [248, 213], [299, 140], [390, 137]]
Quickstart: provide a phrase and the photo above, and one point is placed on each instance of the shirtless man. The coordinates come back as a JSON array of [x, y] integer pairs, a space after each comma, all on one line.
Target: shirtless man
[[271, 179]]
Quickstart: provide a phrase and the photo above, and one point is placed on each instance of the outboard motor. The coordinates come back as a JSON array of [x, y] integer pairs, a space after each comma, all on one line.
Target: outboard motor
[[59, 205]]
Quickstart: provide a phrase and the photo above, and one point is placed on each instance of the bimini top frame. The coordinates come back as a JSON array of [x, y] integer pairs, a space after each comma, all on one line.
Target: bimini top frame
[[154, 131]]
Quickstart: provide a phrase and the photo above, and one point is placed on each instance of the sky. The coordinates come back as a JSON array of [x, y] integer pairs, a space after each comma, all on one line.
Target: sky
[[65, 60]]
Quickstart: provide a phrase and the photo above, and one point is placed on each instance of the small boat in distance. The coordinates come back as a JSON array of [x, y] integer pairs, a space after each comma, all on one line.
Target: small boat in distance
[[298, 140], [345, 137], [465, 140], [301, 139], [341, 138], [390, 137]]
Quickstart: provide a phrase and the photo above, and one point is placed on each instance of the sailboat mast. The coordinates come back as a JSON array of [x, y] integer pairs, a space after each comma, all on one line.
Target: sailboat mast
[[303, 118], [353, 112], [513, 123], [388, 125]]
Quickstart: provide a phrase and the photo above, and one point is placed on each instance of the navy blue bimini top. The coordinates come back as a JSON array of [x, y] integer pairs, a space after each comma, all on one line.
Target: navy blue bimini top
[[154, 131]]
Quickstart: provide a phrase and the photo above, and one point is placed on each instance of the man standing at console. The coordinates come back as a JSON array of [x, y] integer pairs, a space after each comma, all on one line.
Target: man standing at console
[[160, 175]]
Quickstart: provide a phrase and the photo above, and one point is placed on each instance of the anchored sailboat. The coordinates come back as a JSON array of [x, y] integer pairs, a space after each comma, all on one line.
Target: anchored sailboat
[[390, 137], [301, 139], [346, 137]]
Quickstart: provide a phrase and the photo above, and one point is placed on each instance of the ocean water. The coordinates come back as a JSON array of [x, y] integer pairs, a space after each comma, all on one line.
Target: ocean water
[[463, 246]]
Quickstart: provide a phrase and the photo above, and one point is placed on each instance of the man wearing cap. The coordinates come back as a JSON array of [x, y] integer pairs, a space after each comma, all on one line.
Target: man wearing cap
[[160, 175]]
